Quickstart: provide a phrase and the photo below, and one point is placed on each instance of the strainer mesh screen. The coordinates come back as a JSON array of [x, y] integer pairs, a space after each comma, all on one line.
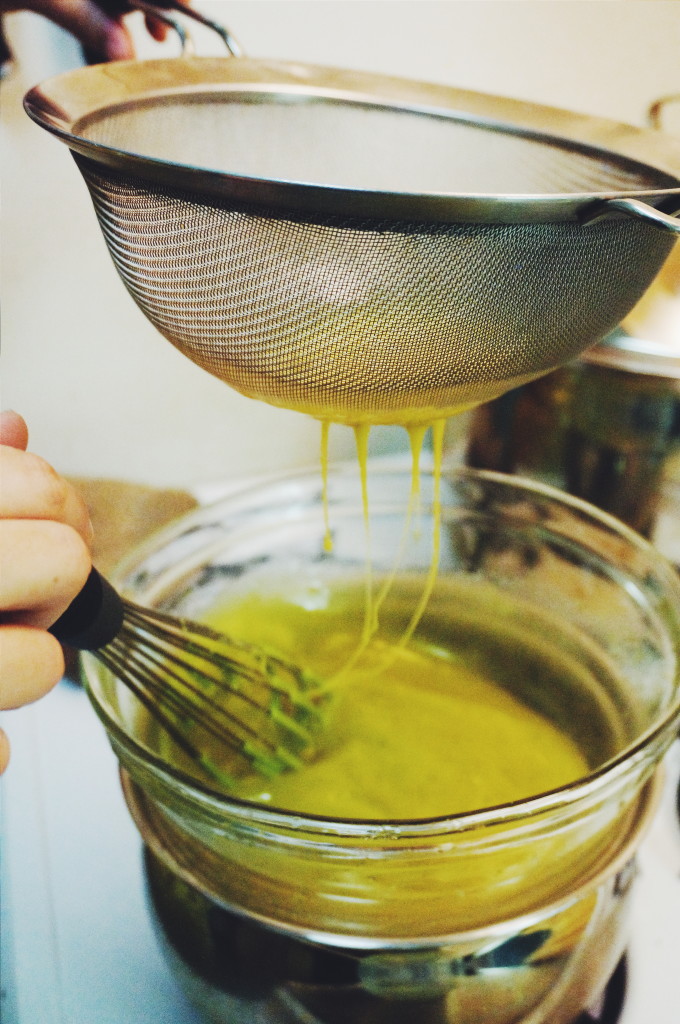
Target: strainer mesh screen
[[367, 319], [354, 145]]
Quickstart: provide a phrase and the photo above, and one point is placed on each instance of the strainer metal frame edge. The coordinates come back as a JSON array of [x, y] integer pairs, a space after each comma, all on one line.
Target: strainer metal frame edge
[[64, 104]]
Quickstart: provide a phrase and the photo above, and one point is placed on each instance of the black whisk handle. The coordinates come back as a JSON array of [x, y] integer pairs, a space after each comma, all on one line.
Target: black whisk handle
[[93, 618]]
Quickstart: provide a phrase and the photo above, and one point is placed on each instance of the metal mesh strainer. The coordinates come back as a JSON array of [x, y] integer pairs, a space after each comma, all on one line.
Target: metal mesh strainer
[[367, 319], [358, 247]]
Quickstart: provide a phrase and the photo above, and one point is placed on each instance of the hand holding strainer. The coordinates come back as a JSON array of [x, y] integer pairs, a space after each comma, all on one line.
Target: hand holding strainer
[[360, 247]]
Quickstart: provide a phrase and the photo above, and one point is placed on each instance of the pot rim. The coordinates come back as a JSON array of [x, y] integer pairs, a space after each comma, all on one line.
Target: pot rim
[[620, 857]]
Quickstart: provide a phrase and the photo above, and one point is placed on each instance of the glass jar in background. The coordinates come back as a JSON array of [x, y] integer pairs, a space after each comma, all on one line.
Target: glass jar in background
[[605, 428]]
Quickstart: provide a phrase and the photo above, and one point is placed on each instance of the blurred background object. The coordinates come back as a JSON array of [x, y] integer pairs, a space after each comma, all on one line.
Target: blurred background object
[[607, 427], [123, 515]]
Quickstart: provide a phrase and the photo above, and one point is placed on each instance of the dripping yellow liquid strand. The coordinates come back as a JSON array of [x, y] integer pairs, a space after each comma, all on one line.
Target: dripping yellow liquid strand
[[371, 620], [425, 721], [437, 712]]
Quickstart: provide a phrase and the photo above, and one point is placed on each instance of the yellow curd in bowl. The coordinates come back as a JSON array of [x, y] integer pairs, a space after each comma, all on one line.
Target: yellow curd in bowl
[[440, 797], [489, 704], [415, 731]]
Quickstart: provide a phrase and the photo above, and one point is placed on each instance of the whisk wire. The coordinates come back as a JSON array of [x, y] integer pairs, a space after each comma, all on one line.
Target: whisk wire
[[248, 665], [111, 659], [144, 669], [262, 690], [215, 697], [164, 693]]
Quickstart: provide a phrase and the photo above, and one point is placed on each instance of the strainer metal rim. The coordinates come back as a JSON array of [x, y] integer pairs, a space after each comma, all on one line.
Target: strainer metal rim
[[64, 105]]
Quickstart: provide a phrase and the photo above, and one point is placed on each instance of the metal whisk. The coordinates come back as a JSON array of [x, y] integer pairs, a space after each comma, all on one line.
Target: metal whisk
[[198, 684]]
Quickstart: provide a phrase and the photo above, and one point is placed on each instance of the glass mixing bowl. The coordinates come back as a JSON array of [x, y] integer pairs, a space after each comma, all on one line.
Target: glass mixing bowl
[[503, 914]]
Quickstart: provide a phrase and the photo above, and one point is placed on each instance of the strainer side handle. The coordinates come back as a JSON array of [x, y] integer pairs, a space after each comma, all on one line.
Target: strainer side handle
[[631, 208]]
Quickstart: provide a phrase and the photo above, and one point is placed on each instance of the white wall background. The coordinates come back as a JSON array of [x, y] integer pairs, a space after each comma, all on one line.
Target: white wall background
[[104, 394]]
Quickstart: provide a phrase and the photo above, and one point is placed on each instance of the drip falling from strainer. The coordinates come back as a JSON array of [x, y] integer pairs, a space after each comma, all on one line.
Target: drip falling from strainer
[[357, 247]]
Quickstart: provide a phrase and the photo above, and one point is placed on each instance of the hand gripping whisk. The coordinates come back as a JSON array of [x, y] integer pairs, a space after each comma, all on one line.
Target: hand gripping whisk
[[197, 684]]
